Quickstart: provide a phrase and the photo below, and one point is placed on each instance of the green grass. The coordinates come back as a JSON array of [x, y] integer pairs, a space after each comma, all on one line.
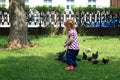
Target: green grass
[[38, 63]]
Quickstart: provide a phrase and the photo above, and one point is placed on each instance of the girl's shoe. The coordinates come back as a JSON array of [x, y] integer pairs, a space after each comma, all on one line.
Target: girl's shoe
[[71, 67]]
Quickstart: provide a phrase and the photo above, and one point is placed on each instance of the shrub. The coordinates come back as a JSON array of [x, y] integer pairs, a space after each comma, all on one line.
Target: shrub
[[3, 9], [27, 9], [51, 29]]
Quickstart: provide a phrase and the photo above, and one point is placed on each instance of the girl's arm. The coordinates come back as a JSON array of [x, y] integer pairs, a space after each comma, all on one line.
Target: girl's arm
[[70, 40]]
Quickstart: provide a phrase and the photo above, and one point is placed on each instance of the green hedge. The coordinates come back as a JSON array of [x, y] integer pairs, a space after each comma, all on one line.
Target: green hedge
[[112, 9], [45, 8], [3, 9]]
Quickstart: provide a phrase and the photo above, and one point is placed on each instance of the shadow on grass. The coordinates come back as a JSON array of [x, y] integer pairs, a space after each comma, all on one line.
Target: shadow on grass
[[46, 68], [24, 68], [30, 68]]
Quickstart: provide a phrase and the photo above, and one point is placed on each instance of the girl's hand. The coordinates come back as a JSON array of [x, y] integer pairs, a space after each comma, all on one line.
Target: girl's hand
[[69, 41], [64, 45]]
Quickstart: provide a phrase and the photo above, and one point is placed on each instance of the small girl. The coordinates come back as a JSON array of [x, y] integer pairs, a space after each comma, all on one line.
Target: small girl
[[71, 44]]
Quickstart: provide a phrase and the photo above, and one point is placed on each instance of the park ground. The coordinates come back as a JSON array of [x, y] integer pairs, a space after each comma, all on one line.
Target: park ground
[[38, 63]]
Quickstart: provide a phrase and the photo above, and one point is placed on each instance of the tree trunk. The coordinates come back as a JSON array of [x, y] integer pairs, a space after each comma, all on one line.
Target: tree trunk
[[18, 36]]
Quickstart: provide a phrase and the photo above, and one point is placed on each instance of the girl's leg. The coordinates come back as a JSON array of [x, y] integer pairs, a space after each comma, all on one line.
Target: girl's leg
[[69, 57], [75, 57]]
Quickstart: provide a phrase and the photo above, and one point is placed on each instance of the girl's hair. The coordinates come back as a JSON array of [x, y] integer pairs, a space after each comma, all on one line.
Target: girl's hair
[[69, 22]]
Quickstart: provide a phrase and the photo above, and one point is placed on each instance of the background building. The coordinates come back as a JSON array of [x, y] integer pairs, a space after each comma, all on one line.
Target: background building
[[65, 3], [115, 3], [4, 3]]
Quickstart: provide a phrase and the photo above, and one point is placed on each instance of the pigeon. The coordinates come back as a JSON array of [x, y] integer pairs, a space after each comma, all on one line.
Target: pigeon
[[89, 49], [90, 58], [105, 61], [84, 56], [94, 61], [61, 56], [95, 56]]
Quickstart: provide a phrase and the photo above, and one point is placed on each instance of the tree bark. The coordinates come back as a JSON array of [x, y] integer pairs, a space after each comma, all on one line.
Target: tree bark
[[18, 36]]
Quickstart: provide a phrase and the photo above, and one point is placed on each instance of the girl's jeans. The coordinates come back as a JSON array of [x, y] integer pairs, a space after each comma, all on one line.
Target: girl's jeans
[[71, 57]]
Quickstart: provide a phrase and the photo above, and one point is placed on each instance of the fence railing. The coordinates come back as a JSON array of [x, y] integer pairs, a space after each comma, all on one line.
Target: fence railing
[[82, 19]]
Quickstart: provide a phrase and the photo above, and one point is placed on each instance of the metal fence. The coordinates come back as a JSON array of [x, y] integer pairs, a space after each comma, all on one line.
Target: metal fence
[[82, 19]]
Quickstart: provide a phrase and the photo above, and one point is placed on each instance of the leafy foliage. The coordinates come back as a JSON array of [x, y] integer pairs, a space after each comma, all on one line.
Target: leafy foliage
[[52, 30], [3, 9], [27, 8], [45, 8], [75, 9]]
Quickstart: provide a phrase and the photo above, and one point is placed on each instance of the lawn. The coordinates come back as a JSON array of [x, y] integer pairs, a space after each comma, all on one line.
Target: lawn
[[38, 63]]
